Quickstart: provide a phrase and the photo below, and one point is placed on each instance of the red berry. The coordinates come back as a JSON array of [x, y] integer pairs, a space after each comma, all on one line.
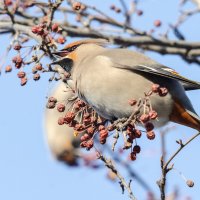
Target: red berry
[[139, 12], [137, 133], [61, 107], [149, 126], [151, 135], [52, 99], [155, 88], [23, 81], [50, 105], [91, 130], [136, 149], [144, 118], [61, 121], [163, 91], [61, 40], [157, 23], [21, 74], [69, 117], [36, 77], [54, 27], [103, 134], [101, 127], [153, 114], [8, 68], [133, 156], [132, 102], [8, 2], [76, 6], [17, 47], [38, 67]]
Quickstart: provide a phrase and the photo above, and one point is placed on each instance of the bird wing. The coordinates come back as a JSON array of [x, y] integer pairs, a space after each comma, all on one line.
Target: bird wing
[[130, 60]]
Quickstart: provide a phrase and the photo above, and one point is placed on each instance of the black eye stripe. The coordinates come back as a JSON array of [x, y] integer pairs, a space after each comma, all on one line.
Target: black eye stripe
[[70, 49]]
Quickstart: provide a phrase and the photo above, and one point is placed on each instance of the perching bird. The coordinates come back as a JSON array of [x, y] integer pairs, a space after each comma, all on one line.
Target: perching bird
[[107, 78], [60, 139]]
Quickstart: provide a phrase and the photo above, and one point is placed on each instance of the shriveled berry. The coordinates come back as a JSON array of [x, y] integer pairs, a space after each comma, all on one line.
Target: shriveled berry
[[102, 141], [76, 6], [157, 23], [50, 105], [34, 29], [8, 68], [23, 81], [83, 144], [61, 121], [190, 183], [163, 91], [17, 47], [86, 115], [79, 127], [144, 118], [61, 40], [87, 121], [136, 149], [149, 126], [151, 135], [89, 144], [38, 67], [52, 99], [137, 133], [155, 88], [61, 107], [69, 117], [54, 27], [153, 114], [132, 102], [21, 74], [133, 156], [91, 130], [139, 12], [103, 134], [36, 77]]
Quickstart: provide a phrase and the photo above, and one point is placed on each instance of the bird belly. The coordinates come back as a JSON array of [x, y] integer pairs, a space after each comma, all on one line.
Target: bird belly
[[110, 92]]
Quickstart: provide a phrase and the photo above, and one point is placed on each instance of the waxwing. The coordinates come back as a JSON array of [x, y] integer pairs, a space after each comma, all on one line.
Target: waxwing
[[60, 138], [107, 78]]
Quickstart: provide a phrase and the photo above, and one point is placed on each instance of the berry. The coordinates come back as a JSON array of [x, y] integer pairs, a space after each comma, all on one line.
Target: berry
[[54, 27], [76, 6], [144, 118], [139, 12], [149, 126], [69, 117], [36, 77], [21, 74], [151, 135], [8, 68], [155, 88], [52, 99], [153, 114], [38, 67], [157, 23], [23, 81], [133, 156], [163, 91], [136, 149], [132, 102], [17, 47], [61, 107], [61, 121]]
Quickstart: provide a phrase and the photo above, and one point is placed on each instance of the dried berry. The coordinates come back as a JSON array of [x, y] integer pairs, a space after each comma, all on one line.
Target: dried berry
[[137, 133], [36, 77], [144, 118], [69, 117], [91, 130], [61, 40], [23, 81], [153, 114], [54, 27], [157, 23], [8, 68], [155, 88], [8, 2], [50, 105], [76, 6], [89, 144], [151, 135], [163, 91], [61, 121], [17, 47], [38, 67], [149, 126], [21, 74], [136, 149], [61, 107], [132, 102], [101, 127], [190, 183], [133, 156], [103, 134], [52, 99], [139, 12]]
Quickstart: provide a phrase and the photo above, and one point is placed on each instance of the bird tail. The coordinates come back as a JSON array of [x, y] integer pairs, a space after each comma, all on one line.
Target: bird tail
[[185, 117]]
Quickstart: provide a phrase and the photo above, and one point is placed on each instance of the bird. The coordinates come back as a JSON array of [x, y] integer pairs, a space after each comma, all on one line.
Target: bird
[[60, 138], [106, 78]]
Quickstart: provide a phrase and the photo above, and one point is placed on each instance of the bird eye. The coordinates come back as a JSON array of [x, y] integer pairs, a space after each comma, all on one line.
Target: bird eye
[[70, 49]]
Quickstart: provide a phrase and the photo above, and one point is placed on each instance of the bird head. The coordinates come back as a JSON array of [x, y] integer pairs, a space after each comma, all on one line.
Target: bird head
[[76, 51]]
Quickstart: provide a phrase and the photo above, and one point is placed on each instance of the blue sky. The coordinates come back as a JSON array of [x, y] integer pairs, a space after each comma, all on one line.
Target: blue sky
[[27, 170]]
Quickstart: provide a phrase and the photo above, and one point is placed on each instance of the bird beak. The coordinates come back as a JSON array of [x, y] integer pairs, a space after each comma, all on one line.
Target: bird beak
[[61, 53]]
